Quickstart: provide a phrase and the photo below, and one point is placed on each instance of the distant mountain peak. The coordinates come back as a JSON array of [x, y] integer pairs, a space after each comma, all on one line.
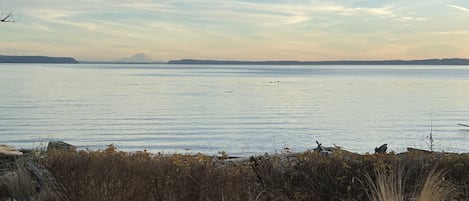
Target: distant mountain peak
[[137, 58]]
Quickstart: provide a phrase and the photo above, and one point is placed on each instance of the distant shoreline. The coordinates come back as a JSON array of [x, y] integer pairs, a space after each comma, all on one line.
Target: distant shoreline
[[342, 62], [70, 60], [36, 59]]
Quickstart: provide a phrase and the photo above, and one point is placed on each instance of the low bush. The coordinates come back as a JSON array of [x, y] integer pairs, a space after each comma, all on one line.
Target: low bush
[[112, 175]]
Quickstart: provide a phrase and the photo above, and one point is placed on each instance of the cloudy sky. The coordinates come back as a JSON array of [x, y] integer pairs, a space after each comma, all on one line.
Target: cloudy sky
[[237, 29]]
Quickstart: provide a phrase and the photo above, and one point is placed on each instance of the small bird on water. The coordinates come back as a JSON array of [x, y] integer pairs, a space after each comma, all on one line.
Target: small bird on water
[[382, 149]]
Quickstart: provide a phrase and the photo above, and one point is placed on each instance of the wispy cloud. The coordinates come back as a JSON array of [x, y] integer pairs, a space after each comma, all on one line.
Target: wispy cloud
[[258, 12], [460, 8], [69, 18], [348, 11], [192, 13], [233, 28], [456, 32]]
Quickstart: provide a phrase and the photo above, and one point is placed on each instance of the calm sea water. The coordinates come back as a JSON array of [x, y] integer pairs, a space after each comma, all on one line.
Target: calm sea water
[[242, 109]]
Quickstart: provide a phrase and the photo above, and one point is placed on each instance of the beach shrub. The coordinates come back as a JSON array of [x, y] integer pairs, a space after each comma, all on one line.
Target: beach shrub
[[115, 175]]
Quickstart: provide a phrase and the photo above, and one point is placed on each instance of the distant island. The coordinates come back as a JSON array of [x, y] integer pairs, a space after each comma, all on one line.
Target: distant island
[[36, 59], [343, 62]]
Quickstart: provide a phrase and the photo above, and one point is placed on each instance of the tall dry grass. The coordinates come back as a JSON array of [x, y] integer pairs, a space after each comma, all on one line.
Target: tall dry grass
[[18, 184], [114, 175], [389, 185], [436, 188]]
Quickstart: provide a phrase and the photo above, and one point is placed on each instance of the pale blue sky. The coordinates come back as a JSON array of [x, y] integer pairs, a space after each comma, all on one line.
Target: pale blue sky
[[238, 29]]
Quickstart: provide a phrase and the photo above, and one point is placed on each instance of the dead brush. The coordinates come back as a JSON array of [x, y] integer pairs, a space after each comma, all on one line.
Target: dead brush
[[100, 175], [111, 175], [19, 184], [273, 177], [185, 177]]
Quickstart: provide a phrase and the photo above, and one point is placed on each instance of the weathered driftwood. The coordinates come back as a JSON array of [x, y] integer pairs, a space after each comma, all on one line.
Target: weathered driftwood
[[419, 151], [7, 150], [324, 150], [15, 164], [41, 176]]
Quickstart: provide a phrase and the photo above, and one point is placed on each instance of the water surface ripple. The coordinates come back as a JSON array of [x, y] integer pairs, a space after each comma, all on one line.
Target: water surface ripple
[[243, 110]]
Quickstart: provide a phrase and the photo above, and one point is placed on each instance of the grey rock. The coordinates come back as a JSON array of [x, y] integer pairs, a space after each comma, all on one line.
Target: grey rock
[[382, 149], [60, 146]]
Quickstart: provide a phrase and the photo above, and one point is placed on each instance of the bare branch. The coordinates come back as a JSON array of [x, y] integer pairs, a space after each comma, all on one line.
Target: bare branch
[[8, 18]]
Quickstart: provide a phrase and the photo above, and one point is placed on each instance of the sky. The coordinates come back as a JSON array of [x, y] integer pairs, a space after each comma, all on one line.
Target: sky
[[306, 30]]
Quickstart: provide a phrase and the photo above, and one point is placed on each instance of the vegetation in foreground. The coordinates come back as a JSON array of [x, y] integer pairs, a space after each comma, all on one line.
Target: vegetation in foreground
[[111, 175]]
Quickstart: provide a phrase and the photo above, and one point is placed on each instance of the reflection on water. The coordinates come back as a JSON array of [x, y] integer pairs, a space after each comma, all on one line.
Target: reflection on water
[[240, 109]]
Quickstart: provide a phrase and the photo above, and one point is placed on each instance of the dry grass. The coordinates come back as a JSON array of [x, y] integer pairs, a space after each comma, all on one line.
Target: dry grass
[[388, 185], [436, 188], [112, 175], [19, 184]]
